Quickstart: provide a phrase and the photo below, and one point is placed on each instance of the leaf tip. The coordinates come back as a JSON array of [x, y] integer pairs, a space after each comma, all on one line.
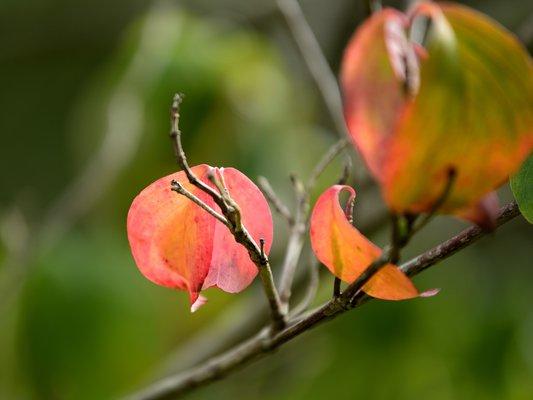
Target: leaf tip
[[198, 303], [430, 293]]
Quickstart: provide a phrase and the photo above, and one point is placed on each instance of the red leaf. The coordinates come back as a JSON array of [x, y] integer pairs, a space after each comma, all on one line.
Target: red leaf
[[466, 105], [347, 253], [177, 244]]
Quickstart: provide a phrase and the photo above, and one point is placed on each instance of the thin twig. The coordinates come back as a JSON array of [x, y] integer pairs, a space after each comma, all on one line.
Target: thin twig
[[178, 188], [315, 61], [261, 344], [276, 202], [232, 217], [181, 158], [296, 241]]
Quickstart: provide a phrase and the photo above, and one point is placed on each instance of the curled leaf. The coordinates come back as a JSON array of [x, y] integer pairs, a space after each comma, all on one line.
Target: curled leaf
[[177, 244], [347, 253], [463, 103]]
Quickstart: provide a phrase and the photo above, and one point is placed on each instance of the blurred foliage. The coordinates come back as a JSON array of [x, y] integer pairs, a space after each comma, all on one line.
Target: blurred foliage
[[86, 325], [522, 190]]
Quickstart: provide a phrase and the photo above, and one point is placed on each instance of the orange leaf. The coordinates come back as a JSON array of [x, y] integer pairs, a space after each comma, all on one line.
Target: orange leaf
[[464, 105], [177, 244], [347, 253]]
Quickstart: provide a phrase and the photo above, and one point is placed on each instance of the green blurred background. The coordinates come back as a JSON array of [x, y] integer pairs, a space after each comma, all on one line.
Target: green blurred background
[[85, 89]]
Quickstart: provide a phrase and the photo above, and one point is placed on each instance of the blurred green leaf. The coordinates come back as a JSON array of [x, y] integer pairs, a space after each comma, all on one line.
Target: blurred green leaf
[[522, 187]]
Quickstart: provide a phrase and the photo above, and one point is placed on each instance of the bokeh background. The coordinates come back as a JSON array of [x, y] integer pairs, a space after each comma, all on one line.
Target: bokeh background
[[85, 89]]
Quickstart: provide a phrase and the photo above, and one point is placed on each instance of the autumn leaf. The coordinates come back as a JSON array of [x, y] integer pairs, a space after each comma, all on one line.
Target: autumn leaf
[[462, 103], [177, 244], [347, 253]]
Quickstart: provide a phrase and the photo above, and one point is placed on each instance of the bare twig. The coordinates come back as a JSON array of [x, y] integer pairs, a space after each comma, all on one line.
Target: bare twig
[[261, 344], [315, 61], [178, 188], [276, 202], [231, 216], [295, 242], [181, 158]]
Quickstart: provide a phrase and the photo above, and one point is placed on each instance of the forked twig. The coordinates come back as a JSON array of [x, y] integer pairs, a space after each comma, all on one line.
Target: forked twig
[[231, 216]]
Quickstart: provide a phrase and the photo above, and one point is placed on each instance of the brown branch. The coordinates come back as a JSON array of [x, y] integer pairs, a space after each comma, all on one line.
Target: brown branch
[[246, 317], [261, 344]]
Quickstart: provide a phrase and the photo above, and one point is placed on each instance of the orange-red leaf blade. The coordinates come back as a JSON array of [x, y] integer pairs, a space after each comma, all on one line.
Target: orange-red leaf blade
[[466, 105], [472, 113], [390, 283], [171, 238], [175, 243]]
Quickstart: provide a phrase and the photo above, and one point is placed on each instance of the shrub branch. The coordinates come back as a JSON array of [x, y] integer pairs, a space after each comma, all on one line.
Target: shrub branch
[[262, 343]]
